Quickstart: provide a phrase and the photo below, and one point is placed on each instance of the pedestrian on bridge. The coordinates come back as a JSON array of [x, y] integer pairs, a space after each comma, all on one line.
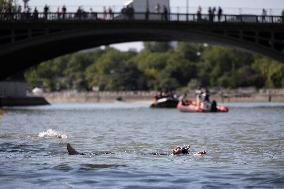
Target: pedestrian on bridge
[[35, 14], [45, 11], [213, 13], [64, 10], [165, 13], [210, 14], [199, 14], [264, 14], [158, 8], [220, 12], [110, 12], [104, 13], [130, 12]]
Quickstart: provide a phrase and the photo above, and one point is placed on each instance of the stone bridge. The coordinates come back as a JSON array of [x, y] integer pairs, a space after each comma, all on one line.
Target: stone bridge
[[28, 39]]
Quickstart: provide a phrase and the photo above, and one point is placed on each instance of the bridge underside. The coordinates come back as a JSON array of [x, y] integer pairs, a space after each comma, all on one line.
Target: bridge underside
[[22, 48]]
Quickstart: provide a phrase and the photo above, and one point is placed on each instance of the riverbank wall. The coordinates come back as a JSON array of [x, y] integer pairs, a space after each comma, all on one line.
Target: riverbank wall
[[237, 95]]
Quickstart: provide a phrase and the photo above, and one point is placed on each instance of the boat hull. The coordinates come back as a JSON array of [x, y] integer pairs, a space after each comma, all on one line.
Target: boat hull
[[165, 103], [196, 108]]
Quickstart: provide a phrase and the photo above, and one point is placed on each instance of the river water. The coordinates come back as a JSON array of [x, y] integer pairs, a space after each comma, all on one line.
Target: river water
[[244, 147]]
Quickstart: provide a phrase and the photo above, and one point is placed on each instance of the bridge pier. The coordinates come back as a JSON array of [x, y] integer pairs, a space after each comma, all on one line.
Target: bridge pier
[[13, 92]]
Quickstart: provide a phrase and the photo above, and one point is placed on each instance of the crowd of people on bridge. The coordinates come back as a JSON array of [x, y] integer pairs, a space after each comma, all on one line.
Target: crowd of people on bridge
[[211, 14], [16, 12]]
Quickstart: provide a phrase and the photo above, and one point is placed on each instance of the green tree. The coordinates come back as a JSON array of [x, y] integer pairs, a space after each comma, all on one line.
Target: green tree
[[177, 72], [157, 66], [110, 68], [151, 64], [157, 46], [75, 68], [272, 72], [189, 51], [219, 66]]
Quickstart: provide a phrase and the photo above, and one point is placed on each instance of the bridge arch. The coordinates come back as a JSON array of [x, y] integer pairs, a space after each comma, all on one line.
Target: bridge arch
[[49, 40]]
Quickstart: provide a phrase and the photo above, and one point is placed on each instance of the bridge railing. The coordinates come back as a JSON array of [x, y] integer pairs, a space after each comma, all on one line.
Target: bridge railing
[[171, 17]]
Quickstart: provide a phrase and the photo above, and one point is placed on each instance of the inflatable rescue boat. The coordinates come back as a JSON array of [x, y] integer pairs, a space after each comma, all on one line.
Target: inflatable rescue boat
[[192, 106]]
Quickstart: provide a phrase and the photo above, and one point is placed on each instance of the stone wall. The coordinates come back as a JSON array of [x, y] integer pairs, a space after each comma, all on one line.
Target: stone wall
[[238, 95]]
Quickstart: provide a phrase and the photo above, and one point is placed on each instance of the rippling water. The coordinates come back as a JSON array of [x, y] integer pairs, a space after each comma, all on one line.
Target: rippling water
[[244, 146]]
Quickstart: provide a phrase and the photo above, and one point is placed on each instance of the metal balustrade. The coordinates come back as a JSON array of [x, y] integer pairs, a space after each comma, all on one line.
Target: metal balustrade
[[172, 17]]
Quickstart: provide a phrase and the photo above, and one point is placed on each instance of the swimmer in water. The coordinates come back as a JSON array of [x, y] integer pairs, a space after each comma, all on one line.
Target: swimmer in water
[[200, 153], [178, 150], [185, 150]]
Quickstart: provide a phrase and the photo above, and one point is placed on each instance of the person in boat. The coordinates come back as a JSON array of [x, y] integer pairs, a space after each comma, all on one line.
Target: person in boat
[[198, 94], [205, 95], [203, 100], [202, 95], [184, 99], [158, 95], [165, 94]]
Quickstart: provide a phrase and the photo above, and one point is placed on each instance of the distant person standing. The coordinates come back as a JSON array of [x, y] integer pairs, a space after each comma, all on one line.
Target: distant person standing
[[94, 15], [283, 16], [213, 13], [199, 13], [58, 13], [210, 14], [165, 12], [264, 14], [64, 10], [104, 13], [158, 8], [220, 12], [110, 12], [35, 14], [131, 12], [45, 11]]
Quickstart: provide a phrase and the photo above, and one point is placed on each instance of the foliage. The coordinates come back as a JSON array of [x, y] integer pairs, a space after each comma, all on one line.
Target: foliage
[[157, 66], [157, 46]]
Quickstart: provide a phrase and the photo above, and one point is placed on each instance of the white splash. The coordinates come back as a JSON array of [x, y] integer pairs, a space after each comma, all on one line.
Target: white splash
[[52, 134]]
